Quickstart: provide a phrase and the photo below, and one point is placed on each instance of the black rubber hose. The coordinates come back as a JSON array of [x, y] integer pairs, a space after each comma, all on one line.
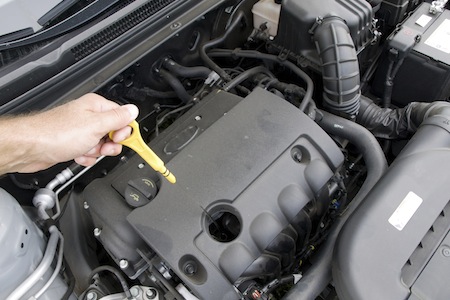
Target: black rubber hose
[[398, 123], [318, 276], [269, 57], [370, 71], [186, 72], [141, 94], [21, 185], [176, 85], [75, 168], [288, 88], [389, 80], [217, 41], [246, 75], [69, 290], [71, 280], [340, 67], [116, 273]]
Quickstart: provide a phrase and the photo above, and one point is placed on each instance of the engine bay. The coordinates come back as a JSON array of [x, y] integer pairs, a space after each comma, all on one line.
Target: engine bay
[[309, 139]]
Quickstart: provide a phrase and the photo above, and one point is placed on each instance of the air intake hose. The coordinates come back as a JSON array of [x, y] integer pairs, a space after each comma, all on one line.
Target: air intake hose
[[398, 123], [340, 68]]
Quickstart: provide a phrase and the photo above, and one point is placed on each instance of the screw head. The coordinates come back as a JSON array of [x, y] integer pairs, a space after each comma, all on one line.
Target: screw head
[[140, 166], [123, 264], [297, 154], [91, 296], [85, 205], [446, 252], [97, 232], [150, 294], [190, 268]]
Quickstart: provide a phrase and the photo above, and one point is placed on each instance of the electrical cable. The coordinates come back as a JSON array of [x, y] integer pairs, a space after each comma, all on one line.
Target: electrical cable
[[160, 121], [116, 273]]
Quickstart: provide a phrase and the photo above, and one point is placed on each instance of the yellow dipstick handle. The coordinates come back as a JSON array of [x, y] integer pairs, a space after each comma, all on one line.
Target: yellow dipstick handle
[[136, 143]]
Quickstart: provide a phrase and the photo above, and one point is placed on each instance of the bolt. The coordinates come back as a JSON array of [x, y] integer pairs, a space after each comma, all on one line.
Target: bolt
[[175, 25], [417, 38], [140, 166], [319, 20], [91, 296], [97, 232], [134, 291], [190, 268], [297, 154], [198, 118], [150, 294], [85, 205], [446, 252], [256, 295], [123, 264]]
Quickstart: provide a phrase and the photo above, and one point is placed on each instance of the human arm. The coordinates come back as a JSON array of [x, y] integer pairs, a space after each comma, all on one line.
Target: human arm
[[75, 130]]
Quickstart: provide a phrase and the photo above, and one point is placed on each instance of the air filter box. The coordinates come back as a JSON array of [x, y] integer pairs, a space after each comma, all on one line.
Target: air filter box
[[425, 72], [299, 16]]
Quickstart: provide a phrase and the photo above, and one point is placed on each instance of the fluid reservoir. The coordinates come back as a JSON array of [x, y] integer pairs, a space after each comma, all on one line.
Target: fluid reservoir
[[23, 246], [266, 13]]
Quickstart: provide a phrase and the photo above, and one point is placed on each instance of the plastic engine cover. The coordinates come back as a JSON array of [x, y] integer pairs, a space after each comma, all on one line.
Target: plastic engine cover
[[239, 184]]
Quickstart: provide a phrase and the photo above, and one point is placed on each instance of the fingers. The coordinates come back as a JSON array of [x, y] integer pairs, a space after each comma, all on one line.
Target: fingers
[[96, 103], [119, 117], [121, 134], [110, 149], [102, 116], [107, 149], [85, 160]]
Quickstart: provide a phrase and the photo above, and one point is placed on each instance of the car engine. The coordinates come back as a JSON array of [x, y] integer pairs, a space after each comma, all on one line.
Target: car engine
[[309, 140]]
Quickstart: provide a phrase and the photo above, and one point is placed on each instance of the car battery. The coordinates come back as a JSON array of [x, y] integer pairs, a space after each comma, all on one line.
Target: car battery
[[424, 41]]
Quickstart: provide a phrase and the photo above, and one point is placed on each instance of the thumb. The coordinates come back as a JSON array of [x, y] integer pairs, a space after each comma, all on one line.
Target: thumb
[[119, 117]]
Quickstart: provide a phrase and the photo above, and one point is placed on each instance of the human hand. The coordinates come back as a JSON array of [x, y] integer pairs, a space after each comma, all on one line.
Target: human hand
[[75, 130]]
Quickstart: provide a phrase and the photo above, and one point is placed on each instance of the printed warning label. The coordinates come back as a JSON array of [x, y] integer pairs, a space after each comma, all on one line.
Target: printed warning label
[[440, 38], [405, 211], [423, 20]]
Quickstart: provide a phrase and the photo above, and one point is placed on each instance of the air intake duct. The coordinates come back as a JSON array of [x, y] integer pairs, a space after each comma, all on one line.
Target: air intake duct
[[329, 33], [340, 68]]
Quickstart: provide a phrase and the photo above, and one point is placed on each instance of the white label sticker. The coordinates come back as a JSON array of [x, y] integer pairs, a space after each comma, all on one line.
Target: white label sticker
[[423, 20], [405, 211], [440, 38]]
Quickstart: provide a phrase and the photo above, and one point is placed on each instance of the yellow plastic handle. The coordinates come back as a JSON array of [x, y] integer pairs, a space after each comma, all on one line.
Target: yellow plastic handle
[[135, 142]]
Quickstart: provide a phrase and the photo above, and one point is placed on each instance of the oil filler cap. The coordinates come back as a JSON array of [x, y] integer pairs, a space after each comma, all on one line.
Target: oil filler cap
[[140, 191]]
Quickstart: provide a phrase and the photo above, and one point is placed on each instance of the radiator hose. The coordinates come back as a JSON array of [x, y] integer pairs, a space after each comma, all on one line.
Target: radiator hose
[[434, 121], [318, 276]]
